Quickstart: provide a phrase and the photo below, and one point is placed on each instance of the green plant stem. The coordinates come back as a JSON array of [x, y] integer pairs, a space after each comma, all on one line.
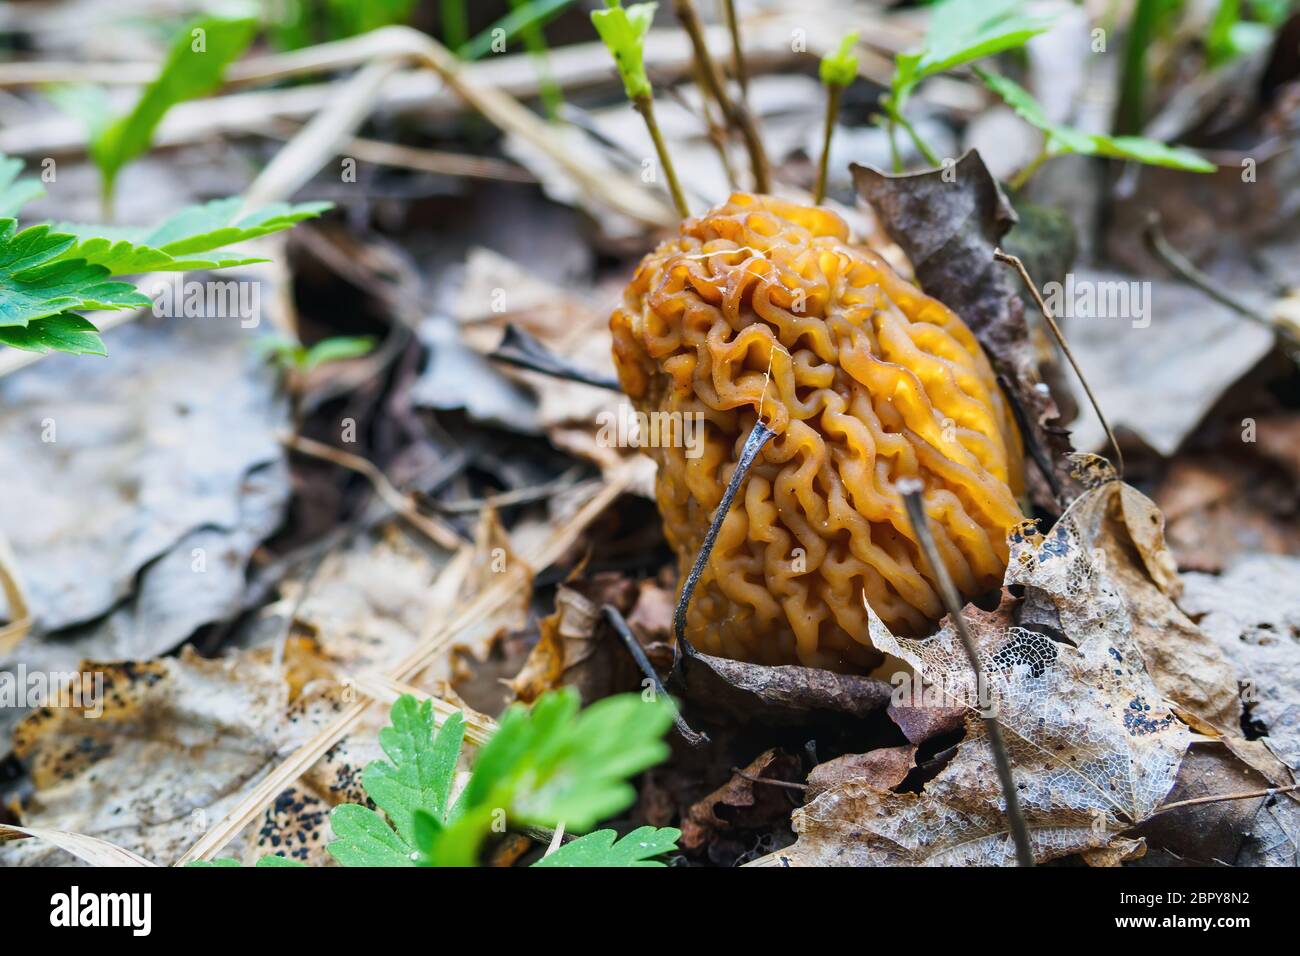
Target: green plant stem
[[735, 112], [737, 50], [646, 107], [1131, 108], [1022, 177], [106, 204], [896, 158], [833, 96], [925, 150], [455, 24]]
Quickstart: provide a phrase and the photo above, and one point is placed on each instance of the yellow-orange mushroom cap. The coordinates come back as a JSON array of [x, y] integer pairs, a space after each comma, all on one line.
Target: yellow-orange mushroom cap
[[764, 307]]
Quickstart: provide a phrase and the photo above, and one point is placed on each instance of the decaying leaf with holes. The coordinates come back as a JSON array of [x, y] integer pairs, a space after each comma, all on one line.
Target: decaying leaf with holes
[[178, 740], [1094, 745]]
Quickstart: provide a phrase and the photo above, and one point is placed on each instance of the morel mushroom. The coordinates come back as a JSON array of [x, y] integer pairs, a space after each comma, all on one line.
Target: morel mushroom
[[763, 307]]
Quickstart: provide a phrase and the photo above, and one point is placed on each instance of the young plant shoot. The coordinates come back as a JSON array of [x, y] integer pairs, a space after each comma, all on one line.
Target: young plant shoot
[[838, 70], [622, 30]]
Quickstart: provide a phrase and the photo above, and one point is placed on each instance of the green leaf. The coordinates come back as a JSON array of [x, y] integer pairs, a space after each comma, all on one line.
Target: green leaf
[[224, 863], [623, 32], [215, 224], [1151, 152], [337, 349], [15, 192], [187, 241], [518, 20], [68, 332], [194, 66], [546, 766], [841, 67], [35, 282], [364, 838], [554, 765], [960, 32], [638, 848], [282, 350], [422, 768], [1064, 139]]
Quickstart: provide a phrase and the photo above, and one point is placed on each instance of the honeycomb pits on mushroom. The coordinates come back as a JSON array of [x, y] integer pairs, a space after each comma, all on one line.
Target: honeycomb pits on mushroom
[[764, 307]]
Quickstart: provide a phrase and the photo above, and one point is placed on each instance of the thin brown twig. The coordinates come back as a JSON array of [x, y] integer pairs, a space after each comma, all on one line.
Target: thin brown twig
[[615, 619], [1015, 263], [1164, 250], [775, 783], [735, 112], [1220, 798], [921, 526], [20, 618], [737, 48], [441, 534]]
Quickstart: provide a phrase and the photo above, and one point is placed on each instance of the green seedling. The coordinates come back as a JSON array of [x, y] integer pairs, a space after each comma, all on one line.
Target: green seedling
[[838, 70], [194, 67], [1063, 140], [551, 766], [623, 32]]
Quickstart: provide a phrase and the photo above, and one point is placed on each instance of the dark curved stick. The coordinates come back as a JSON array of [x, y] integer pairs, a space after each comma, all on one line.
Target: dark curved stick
[[948, 592], [615, 619], [758, 437], [521, 350]]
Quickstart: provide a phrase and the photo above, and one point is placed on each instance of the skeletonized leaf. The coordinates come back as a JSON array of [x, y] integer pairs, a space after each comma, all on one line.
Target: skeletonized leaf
[[1094, 746]]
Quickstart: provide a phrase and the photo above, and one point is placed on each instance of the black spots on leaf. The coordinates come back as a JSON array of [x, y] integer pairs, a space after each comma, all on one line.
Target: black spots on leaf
[[1138, 720]]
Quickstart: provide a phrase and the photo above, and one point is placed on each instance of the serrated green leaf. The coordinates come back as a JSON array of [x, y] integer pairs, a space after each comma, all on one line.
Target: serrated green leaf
[[551, 765], [15, 192], [364, 838], [194, 66], [35, 282], [422, 768], [1064, 139], [638, 848], [213, 225], [68, 332], [188, 241]]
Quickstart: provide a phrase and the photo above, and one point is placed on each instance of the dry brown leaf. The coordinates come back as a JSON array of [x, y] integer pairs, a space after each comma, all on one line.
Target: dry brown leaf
[[179, 739], [1094, 747], [883, 769], [740, 803]]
